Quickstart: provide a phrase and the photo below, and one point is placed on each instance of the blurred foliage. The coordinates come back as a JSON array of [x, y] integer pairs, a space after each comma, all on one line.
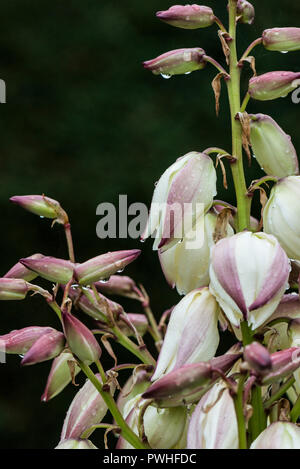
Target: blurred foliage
[[84, 123]]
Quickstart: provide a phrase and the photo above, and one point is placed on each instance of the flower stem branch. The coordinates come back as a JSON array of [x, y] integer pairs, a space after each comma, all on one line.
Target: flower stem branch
[[239, 410], [250, 48]]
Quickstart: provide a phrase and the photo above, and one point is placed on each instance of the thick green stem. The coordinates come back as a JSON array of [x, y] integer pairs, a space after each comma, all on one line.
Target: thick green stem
[[246, 333], [141, 352], [233, 84], [126, 432], [295, 413], [239, 410], [258, 421]]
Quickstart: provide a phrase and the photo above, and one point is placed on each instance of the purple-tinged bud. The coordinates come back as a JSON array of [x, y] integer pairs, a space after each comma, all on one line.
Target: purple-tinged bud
[[189, 383], [246, 12], [86, 409], [213, 424], [176, 205], [80, 339], [279, 435], [50, 268], [289, 307], [281, 215], [20, 341], [192, 335], [102, 267], [272, 147], [48, 346], [258, 358], [273, 85], [249, 274], [284, 363], [188, 16], [139, 322], [40, 205], [95, 310], [60, 375], [119, 285], [20, 271], [13, 289], [76, 444], [186, 265], [177, 62], [282, 39]]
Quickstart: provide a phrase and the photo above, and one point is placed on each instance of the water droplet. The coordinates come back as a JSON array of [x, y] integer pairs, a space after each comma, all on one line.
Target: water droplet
[[188, 73], [41, 216], [284, 51], [142, 240], [120, 271], [155, 184], [104, 280], [166, 76], [21, 356]]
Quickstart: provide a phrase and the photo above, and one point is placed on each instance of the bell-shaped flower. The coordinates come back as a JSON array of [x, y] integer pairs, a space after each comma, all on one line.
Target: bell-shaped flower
[[188, 16], [282, 39], [282, 213], [213, 424], [273, 85], [249, 274], [184, 192], [272, 147], [279, 435], [192, 335], [186, 264]]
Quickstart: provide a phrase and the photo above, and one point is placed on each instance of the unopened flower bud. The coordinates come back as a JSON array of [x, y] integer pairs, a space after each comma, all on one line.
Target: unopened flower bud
[[96, 308], [284, 363], [273, 85], [80, 339], [20, 341], [243, 276], [188, 16], [45, 348], [50, 268], [272, 147], [13, 289], [192, 334], [282, 213], [41, 206], [60, 375], [279, 435], [176, 204], [76, 444], [258, 358], [86, 409], [189, 383], [138, 321], [119, 285], [282, 39], [186, 264], [246, 12], [213, 423], [102, 267], [20, 271], [177, 62]]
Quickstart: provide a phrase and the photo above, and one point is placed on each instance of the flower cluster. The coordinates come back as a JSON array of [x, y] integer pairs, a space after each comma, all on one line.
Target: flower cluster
[[235, 273]]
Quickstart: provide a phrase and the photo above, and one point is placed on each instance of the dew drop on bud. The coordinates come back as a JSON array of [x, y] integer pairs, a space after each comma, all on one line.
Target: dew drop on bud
[[165, 76]]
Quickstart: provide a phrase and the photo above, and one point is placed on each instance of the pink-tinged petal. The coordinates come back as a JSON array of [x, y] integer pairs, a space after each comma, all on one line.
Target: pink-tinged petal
[[20, 271], [48, 346], [60, 375], [279, 274], [225, 268], [20, 341], [50, 268]]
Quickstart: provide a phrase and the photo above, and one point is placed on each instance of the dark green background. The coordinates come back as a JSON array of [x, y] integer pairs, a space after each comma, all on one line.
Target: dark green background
[[84, 123]]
